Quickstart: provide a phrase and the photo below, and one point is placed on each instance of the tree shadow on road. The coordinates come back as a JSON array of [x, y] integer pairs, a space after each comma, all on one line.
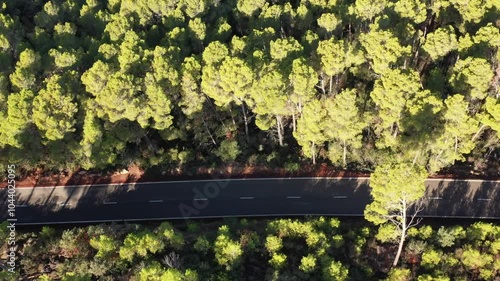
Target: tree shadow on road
[[458, 198]]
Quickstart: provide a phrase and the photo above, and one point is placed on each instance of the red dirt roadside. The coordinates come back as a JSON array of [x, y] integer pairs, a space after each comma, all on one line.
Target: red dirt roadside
[[135, 174]]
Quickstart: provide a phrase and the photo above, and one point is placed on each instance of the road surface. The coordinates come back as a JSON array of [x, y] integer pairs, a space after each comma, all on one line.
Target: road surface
[[237, 197]]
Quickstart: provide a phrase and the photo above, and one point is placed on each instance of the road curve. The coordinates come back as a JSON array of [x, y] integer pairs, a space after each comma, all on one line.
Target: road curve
[[237, 197]]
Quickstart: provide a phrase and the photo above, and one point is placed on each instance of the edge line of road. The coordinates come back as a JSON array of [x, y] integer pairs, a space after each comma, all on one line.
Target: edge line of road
[[243, 179], [240, 216]]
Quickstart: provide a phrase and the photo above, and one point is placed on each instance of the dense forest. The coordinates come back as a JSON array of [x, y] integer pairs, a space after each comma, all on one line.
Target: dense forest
[[98, 84], [263, 249]]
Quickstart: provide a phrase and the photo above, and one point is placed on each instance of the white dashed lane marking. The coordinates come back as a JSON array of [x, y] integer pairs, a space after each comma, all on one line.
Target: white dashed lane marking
[[110, 202]]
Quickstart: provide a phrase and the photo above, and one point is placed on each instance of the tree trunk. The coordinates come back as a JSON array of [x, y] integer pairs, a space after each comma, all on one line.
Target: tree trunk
[[280, 133], [416, 157], [313, 149], [293, 122], [403, 235], [401, 242], [330, 90], [344, 155], [210, 134], [150, 145], [478, 132], [232, 117], [456, 144], [245, 118], [395, 130]]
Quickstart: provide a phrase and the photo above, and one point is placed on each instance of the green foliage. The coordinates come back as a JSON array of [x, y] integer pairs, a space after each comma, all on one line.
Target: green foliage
[[427, 277], [456, 139], [248, 7], [173, 237], [394, 188], [491, 116], [329, 22], [471, 11], [344, 123], [411, 9], [277, 261], [472, 76], [480, 231], [71, 276], [24, 77], [202, 245], [302, 78], [337, 241], [440, 42], [425, 232], [431, 258], [44, 277], [155, 272], [54, 108], [228, 150], [308, 263], [140, 244], [4, 232], [446, 237], [387, 233], [19, 107], [335, 271], [286, 241], [309, 133], [104, 245], [367, 10], [337, 55], [273, 244], [398, 274], [382, 49], [227, 251], [352, 83], [192, 100], [473, 259]]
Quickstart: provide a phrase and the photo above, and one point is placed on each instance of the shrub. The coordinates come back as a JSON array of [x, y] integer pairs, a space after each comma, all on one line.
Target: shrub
[[337, 241], [174, 237], [278, 261], [481, 231], [273, 244], [292, 166], [227, 252], [427, 277], [202, 244], [398, 274], [445, 237], [308, 264], [335, 271], [104, 245], [47, 232], [228, 150], [387, 233], [425, 232], [473, 259], [431, 258]]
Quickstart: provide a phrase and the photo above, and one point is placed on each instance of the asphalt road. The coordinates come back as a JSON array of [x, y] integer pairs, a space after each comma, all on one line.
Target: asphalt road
[[237, 197]]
